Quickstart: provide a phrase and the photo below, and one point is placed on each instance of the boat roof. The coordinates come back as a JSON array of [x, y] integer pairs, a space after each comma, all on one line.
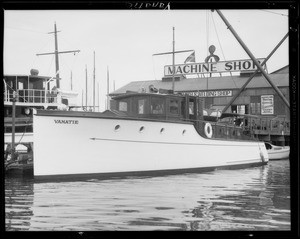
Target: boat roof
[[26, 76]]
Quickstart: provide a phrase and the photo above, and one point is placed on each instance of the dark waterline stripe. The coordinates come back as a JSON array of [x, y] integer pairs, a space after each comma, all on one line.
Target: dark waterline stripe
[[150, 173]]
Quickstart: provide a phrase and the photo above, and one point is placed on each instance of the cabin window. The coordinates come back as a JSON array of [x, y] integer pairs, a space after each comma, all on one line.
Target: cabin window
[[174, 109], [123, 106], [64, 101], [157, 105], [141, 106]]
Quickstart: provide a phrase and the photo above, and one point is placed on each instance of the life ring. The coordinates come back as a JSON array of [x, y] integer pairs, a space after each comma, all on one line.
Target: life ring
[[208, 130]]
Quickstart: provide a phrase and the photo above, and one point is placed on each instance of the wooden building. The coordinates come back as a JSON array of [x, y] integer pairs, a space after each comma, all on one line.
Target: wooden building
[[258, 98]]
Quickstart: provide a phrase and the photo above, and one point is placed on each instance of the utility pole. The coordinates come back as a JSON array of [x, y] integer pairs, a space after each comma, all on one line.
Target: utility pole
[[56, 53]]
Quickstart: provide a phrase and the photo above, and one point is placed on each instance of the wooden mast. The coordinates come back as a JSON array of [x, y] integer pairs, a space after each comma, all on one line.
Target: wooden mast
[[173, 59], [107, 97], [86, 88], [94, 77], [56, 53]]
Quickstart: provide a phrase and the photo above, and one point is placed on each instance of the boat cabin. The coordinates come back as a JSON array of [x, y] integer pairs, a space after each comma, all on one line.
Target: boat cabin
[[173, 107], [31, 92], [184, 108]]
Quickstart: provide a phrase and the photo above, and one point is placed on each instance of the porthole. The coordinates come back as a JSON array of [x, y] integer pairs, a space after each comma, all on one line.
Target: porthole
[[142, 129], [117, 127], [183, 132], [162, 130]]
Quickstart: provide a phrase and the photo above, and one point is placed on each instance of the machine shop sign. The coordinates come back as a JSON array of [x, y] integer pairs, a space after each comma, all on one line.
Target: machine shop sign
[[210, 93], [267, 104], [212, 67]]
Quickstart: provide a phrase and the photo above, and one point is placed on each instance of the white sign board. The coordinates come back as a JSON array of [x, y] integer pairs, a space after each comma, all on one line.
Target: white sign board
[[212, 67], [211, 93], [267, 104]]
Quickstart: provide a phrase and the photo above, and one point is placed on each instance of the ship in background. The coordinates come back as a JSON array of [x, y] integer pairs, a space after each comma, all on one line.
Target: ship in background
[[23, 95]]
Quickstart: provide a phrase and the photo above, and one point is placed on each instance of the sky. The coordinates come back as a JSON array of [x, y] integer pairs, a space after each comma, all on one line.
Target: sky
[[124, 42]]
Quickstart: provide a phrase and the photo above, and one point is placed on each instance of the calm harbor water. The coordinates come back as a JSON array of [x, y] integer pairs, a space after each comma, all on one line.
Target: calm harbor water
[[251, 199]]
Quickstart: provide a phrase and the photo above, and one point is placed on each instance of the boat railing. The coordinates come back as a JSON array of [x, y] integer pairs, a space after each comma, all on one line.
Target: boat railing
[[267, 125], [246, 129], [224, 130], [31, 96]]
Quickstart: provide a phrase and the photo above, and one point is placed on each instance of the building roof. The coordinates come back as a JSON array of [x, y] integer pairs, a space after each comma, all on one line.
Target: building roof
[[282, 70], [280, 79]]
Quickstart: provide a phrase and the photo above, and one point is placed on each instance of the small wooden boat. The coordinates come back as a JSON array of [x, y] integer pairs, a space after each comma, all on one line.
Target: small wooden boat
[[277, 152]]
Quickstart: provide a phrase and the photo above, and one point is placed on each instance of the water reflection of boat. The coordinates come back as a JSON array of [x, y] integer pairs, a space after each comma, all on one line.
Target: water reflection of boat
[[277, 152]]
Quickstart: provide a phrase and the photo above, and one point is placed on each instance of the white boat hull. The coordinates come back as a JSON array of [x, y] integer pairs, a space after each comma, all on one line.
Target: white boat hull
[[78, 146], [283, 153]]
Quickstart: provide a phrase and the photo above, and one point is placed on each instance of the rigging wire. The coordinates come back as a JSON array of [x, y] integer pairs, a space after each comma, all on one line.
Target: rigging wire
[[222, 48], [274, 13]]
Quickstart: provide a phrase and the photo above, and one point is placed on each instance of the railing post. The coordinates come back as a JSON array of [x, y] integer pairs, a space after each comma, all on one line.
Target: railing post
[[13, 126]]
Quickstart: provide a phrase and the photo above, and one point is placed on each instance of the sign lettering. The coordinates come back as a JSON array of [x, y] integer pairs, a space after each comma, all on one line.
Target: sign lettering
[[66, 121], [212, 67], [267, 104], [216, 93]]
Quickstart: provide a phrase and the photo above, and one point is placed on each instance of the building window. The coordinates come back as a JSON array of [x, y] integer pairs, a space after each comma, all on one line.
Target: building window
[[241, 109], [258, 108], [174, 109], [20, 85], [122, 106], [253, 108], [157, 105]]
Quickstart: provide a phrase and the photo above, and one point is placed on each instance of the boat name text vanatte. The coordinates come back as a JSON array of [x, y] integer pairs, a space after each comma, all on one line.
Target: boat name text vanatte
[[66, 121], [212, 67]]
